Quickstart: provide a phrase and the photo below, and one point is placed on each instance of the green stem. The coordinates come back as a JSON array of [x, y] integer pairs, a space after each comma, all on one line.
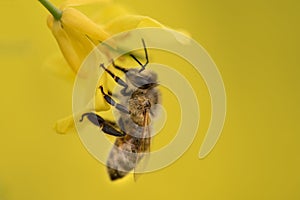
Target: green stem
[[52, 9]]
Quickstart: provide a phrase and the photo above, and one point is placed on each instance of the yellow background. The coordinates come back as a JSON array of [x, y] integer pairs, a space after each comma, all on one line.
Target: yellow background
[[254, 43]]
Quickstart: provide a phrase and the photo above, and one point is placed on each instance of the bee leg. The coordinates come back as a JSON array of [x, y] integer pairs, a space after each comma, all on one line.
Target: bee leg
[[122, 69], [117, 79], [105, 126], [111, 94], [109, 100], [123, 91], [146, 55], [111, 123]]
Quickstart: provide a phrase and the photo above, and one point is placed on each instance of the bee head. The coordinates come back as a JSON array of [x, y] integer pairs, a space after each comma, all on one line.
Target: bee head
[[141, 79]]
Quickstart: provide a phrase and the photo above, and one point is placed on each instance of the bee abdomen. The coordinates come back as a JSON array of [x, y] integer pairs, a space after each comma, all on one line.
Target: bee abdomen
[[122, 158], [115, 174]]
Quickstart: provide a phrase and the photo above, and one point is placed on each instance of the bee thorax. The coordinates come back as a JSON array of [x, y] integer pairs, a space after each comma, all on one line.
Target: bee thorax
[[140, 104]]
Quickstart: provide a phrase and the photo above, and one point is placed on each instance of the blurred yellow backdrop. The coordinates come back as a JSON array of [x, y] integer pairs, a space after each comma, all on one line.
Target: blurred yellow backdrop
[[255, 44]]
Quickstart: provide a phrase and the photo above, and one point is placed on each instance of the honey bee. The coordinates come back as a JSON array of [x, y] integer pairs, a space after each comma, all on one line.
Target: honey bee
[[138, 97]]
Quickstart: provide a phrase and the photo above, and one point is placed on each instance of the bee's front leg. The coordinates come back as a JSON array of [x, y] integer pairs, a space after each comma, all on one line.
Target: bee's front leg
[[105, 126], [112, 102]]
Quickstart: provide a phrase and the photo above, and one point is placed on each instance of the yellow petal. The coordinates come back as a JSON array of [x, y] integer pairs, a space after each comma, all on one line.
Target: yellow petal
[[78, 21], [129, 22], [65, 125], [64, 43], [80, 43], [148, 22]]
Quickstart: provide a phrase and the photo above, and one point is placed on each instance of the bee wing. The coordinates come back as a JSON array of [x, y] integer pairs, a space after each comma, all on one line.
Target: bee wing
[[144, 150]]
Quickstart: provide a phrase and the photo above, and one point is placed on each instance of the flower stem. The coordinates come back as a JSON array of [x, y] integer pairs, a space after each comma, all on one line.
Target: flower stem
[[52, 9]]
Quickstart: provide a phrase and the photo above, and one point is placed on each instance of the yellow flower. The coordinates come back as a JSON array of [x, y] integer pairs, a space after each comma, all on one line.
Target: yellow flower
[[77, 35]]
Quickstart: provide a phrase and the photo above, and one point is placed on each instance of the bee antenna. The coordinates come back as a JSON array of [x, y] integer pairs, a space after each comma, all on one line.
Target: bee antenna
[[143, 66]]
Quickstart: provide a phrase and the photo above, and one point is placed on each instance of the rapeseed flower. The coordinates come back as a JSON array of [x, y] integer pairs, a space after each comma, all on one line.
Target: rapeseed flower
[[77, 35]]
